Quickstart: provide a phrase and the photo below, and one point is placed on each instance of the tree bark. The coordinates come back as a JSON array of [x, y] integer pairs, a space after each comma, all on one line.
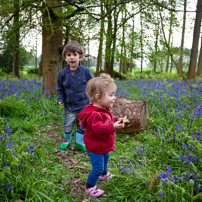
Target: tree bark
[[114, 38], [199, 69], [141, 42], [40, 73], [99, 57], [51, 47], [156, 44], [122, 47], [137, 111], [133, 44], [108, 43], [194, 50], [16, 47], [182, 39]]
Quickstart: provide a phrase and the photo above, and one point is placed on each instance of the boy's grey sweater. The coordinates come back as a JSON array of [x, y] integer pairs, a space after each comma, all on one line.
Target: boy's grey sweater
[[71, 87]]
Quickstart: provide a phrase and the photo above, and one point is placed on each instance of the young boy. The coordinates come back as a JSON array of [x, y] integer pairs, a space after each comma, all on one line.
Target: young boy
[[71, 87]]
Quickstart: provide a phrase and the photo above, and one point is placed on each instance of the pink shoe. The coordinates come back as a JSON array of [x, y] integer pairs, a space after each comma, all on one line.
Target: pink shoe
[[106, 177], [93, 191]]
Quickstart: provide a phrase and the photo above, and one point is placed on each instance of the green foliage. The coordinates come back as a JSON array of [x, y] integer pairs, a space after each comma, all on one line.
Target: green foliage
[[32, 165], [6, 58], [12, 107], [33, 70]]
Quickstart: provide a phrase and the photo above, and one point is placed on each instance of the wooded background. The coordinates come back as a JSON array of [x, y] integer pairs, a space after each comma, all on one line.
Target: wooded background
[[113, 24]]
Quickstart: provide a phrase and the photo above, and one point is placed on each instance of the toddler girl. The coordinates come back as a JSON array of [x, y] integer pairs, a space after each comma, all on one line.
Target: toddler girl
[[100, 127]]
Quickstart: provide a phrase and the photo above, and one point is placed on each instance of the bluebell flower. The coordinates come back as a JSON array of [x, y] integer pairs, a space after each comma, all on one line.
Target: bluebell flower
[[163, 177], [125, 171], [173, 178], [187, 177], [31, 149], [177, 111], [140, 151], [181, 156], [6, 144], [2, 137], [151, 196], [197, 159], [11, 142], [162, 194], [19, 136], [196, 177], [9, 187], [169, 170], [174, 136], [191, 147], [192, 134], [123, 158], [184, 146], [185, 159], [4, 165]]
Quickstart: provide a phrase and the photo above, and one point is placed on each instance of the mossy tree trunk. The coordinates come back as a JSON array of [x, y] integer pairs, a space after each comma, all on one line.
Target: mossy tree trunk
[[16, 38], [51, 45]]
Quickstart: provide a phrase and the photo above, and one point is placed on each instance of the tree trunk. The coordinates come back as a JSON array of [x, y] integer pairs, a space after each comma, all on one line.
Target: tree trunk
[[99, 57], [131, 64], [120, 65], [182, 39], [137, 111], [171, 62], [169, 36], [141, 43], [199, 69], [16, 47], [108, 42], [51, 46], [194, 50], [114, 39], [133, 44], [156, 44], [40, 74], [122, 47], [89, 48]]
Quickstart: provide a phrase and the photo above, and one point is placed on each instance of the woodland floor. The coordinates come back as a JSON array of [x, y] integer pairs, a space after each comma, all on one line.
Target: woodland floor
[[75, 164]]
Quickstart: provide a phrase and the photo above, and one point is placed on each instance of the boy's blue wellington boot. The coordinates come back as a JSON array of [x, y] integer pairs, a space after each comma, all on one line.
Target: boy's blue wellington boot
[[66, 141], [79, 144]]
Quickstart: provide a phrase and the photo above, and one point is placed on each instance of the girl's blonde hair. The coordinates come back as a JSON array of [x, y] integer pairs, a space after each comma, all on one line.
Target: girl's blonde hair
[[98, 85]]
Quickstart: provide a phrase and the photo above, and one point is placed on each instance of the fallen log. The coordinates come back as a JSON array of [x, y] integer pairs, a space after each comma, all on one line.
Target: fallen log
[[137, 112]]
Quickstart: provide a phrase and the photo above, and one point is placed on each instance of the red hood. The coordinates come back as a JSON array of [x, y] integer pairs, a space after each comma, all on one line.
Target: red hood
[[83, 116]]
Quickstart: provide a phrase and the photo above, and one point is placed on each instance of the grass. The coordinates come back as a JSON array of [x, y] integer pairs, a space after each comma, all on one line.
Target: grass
[[160, 164]]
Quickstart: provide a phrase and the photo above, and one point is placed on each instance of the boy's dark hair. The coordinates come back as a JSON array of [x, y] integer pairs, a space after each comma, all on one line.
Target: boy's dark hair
[[73, 47]]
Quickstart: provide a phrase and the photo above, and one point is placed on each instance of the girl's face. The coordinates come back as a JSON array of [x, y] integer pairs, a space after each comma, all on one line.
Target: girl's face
[[108, 99], [73, 60]]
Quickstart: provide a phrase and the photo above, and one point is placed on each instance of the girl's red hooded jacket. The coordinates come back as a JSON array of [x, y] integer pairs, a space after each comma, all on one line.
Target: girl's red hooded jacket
[[100, 134]]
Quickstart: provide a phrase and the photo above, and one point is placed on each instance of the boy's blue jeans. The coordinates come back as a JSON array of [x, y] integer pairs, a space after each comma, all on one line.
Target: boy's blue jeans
[[99, 166], [70, 120]]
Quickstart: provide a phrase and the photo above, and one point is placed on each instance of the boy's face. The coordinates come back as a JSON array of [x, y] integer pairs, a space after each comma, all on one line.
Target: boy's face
[[73, 60]]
